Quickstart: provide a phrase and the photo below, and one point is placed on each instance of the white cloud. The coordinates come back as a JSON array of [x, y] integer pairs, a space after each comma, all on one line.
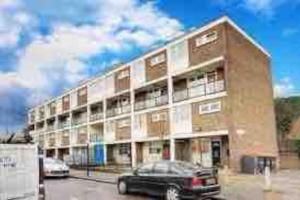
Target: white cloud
[[262, 7], [12, 20], [58, 57], [284, 88], [287, 32]]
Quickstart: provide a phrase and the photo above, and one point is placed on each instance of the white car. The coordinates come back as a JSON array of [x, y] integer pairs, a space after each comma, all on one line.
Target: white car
[[55, 168]]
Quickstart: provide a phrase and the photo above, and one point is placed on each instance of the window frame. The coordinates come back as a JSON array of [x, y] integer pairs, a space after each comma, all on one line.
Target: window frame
[[209, 107], [206, 38]]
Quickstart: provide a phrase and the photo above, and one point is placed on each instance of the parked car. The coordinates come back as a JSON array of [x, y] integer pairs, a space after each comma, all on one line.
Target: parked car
[[55, 168], [174, 180]]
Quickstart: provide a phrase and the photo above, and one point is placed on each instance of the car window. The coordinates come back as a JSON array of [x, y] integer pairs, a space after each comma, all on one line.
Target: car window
[[161, 168], [147, 168]]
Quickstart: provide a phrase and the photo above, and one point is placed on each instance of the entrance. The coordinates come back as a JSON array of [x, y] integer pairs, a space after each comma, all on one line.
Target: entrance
[[216, 152]]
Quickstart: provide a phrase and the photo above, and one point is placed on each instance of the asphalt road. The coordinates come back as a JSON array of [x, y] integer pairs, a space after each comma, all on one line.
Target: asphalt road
[[76, 189]]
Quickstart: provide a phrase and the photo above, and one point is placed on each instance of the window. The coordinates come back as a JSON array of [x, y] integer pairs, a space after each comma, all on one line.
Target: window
[[161, 168], [124, 123], [147, 168], [123, 74], [82, 92], [210, 108], [124, 149], [204, 39], [156, 117], [158, 59], [154, 148]]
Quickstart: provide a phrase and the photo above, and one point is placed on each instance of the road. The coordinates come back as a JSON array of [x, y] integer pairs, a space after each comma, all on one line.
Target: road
[[76, 189]]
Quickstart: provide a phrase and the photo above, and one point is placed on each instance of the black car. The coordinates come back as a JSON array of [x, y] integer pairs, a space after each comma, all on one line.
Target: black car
[[174, 180]]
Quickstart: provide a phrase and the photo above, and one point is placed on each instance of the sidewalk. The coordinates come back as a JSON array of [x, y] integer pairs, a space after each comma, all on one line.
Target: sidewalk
[[103, 177]]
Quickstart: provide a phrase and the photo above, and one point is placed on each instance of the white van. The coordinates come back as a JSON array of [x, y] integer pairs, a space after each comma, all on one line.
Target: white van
[[20, 172]]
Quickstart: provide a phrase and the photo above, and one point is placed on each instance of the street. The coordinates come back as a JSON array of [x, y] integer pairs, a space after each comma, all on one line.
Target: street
[[76, 189]]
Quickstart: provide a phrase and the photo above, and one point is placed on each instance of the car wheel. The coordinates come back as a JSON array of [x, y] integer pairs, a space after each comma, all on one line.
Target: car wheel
[[172, 194], [122, 187]]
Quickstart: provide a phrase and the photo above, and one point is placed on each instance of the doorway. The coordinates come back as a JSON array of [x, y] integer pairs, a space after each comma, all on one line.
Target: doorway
[[216, 152]]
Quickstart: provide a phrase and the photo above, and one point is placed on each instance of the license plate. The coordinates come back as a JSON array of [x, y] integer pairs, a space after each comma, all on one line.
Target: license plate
[[210, 181]]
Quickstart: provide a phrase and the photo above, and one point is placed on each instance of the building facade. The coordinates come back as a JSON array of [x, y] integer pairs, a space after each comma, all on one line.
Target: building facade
[[205, 97]]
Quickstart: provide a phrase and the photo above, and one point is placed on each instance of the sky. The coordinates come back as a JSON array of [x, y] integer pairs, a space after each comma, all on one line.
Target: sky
[[51, 45]]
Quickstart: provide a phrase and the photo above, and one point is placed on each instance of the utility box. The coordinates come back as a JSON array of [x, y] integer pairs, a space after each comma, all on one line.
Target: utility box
[[257, 164]]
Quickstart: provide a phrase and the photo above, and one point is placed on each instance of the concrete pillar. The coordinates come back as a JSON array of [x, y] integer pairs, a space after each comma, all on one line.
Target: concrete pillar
[[133, 154], [172, 149]]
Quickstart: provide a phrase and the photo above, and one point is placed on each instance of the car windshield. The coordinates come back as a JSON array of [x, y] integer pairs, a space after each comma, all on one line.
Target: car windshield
[[53, 161]]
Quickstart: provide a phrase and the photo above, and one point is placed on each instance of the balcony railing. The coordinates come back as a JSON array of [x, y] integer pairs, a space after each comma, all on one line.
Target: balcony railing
[[65, 141], [96, 116], [96, 137], [51, 142], [62, 125], [78, 121], [118, 111], [152, 102], [199, 90], [50, 128], [82, 138]]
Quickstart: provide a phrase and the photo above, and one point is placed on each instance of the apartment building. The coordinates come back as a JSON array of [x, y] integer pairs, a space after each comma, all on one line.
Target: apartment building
[[205, 97]]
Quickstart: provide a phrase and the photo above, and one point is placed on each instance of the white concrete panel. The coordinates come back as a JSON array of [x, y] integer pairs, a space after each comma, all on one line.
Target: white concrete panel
[[140, 127], [73, 99], [138, 73], [109, 85], [110, 131], [59, 106], [178, 56], [182, 119], [96, 91]]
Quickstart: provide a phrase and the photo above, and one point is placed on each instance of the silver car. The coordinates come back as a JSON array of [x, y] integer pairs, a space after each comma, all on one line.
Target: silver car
[[55, 168]]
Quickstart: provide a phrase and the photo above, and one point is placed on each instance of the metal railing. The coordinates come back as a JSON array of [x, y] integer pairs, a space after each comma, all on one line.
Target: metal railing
[[117, 111], [151, 102], [199, 90], [50, 128], [78, 121], [62, 125], [96, 116]]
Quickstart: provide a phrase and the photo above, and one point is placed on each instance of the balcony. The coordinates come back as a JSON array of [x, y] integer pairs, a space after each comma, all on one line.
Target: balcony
[[65, 140], [151, 102], [199, 90], [118, 110], [96, 137], [63, 124], [51, 142], [79, 121], [81, 138], [50, 127], [96, 116]]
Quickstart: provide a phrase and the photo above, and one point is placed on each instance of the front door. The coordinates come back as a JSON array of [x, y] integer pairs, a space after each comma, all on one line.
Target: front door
[[216, 152]]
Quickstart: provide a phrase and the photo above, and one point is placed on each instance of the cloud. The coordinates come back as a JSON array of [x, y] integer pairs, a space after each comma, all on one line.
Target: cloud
[[266, 8], [287, 32], [284, 88], [55, 61], [13, 19]]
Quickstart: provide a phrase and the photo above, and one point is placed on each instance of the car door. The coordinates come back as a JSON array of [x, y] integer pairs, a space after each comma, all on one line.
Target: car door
[[157, 181], [139, 180]]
